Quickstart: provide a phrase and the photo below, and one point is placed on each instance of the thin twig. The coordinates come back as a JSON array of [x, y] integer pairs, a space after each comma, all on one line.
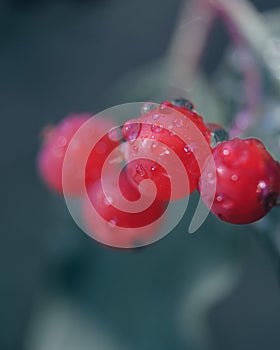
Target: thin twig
[[191, 33]]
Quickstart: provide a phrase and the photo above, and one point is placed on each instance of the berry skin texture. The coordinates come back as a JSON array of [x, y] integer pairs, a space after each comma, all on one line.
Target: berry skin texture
[[109, 220], [153, 141], [247, 183]]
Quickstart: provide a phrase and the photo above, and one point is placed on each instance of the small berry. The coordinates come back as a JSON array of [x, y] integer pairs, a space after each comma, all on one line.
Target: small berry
[[72, 156], [111, 221], [247, 181], [52, 152], [161, 138]]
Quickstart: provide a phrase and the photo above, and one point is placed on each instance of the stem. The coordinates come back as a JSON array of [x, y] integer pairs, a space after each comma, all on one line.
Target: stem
[[249, 33], [191, 33]]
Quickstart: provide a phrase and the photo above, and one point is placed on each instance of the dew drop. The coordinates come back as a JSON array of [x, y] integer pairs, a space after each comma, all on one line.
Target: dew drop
[[155, 116], [234, 177], [140, 170], [178, 122], [147, 107], [219, 199], [210, 178], [164, 109], [112, 222], [187, 149], [262, 185], [131, 131], [225, 152], [166, 151], [153, 167], [157, 128]]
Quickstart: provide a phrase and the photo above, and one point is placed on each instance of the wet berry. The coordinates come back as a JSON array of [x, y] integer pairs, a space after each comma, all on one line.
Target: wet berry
[[114, 222], [247, 181], [52, 153], [168, 145]]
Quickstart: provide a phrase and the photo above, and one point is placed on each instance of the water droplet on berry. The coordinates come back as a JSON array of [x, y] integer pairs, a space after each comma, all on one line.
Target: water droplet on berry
[[147, 107], [155, 116], [113, 222], [171, 133], [157, 128], [219, 198], [140, 170], [210, 178], [154, 145], [164, 109], [262, 185], [153, 167], [131, 131], [178, 122], [225, 152], [234, 177], [187, 149]]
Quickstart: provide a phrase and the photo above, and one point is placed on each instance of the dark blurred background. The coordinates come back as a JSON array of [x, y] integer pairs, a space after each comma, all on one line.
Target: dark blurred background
[[59, 289]]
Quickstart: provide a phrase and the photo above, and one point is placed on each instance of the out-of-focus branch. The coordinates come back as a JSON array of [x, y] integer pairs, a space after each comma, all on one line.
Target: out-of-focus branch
[[188, 42], [250, 34]]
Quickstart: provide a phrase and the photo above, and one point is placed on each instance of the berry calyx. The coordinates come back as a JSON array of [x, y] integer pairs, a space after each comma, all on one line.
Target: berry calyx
[[247, 181]]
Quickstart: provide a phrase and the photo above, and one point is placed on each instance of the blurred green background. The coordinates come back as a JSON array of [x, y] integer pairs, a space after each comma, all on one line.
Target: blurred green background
[[59, 289]]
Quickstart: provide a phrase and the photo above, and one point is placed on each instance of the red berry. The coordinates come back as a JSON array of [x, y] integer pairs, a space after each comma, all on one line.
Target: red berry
[[52, 153], [167, 145], [66, 161], [247, 181], [121, 224]]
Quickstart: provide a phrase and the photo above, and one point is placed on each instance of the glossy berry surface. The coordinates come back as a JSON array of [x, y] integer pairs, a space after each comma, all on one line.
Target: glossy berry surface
[[247, 181], [169, 146], [112, 222]]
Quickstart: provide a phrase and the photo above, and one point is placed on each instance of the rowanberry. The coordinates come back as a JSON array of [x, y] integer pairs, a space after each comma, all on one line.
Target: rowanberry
[[166, 145], [121, 224], [67, 150], [247, 181]]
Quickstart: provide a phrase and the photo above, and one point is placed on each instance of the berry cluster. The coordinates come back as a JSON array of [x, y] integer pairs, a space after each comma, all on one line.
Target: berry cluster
[[163, 155]]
